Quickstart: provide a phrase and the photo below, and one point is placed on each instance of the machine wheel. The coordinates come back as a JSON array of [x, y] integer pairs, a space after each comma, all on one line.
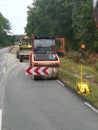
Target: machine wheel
[[35, 77], [20, 58]]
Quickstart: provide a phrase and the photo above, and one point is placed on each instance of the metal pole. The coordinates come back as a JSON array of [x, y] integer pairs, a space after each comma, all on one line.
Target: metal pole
[[81, 76]]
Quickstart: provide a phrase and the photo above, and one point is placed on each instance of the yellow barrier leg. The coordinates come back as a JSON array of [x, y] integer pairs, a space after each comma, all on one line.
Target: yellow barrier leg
[[81, 86]]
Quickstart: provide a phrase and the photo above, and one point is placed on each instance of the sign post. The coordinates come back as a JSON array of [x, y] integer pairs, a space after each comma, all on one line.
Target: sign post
[[83, 46], [82, 87]]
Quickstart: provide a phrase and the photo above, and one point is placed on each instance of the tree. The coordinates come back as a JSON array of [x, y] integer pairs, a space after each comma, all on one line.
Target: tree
[[71, 19], [4, 29], [83, 26]]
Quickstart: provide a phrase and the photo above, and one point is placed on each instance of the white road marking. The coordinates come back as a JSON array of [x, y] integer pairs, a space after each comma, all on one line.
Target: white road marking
[[4, 70], [86, 103], [0, 119], [91, 107], [60, 83]]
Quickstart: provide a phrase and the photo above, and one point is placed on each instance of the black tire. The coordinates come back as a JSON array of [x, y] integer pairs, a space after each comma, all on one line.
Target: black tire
[[35, 77], [20, 58]]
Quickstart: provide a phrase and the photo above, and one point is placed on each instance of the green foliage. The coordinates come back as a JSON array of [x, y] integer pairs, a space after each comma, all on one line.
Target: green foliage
[[96, 65], [83, 26], [47, 17], [71, 19], [70, 74], [4, 29], [5, 38]]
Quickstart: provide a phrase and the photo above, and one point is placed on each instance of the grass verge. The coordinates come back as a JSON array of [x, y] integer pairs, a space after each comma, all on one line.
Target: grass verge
[[70, 74]]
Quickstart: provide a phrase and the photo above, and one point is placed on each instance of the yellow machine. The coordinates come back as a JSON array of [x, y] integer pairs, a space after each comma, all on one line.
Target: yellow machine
[[24, 49]]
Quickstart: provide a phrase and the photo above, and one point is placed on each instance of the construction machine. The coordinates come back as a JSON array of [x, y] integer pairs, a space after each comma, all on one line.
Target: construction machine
[[24, 48], [44, 55], [60, 46]]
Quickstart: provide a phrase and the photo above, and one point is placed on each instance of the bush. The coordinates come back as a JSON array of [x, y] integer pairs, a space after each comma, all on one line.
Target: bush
[[96, 65]]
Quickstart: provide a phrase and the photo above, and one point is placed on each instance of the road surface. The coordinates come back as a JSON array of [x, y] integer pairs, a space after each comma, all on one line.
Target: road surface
[[26, 104]]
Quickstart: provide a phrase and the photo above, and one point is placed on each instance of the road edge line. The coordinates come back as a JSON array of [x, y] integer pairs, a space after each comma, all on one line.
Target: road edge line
[[91, 107], [60, 83], [1, 119], [4, 70]]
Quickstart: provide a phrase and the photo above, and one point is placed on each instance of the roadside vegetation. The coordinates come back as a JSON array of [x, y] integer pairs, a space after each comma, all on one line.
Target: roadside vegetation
[[6, 38], [4, 30], [71, 19], [70, 74]]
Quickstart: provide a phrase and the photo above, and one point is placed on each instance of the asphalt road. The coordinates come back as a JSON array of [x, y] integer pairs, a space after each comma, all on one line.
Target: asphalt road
[[39, 105]]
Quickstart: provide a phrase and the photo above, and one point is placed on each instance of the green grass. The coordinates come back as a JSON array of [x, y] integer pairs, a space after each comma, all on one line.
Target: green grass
[[96, 66], [70, 74]]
